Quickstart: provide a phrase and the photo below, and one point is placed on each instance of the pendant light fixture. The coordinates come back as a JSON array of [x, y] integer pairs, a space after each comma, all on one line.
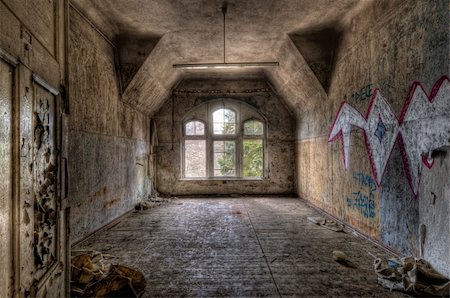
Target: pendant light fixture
[[225, 64]]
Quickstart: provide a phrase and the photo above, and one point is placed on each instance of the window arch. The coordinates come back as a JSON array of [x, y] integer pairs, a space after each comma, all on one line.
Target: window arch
[[194, 128], [224, 139], [224, 122]]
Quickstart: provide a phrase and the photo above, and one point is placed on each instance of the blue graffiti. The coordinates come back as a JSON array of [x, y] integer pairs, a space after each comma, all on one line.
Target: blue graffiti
[[361, 202], [365, 180]]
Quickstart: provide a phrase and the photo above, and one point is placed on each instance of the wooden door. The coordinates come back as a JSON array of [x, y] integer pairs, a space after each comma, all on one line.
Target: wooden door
[[48, 219], [7, 79], [34, 249]]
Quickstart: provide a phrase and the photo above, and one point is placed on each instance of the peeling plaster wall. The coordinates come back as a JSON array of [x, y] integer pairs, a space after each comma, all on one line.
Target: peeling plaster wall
[[281, 134], [109, 147], [33, 214], [386, 45]]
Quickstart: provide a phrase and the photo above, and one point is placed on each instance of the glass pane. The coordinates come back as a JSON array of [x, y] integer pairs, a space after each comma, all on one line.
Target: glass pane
[[199, 128], [224, 158], [253, 158], [190, 129], [194, 128], [224, 122], [253, 128], [195, 158]]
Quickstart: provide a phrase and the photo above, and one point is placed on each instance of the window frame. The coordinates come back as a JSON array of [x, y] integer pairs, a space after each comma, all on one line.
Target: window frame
[[243, 113], [193, 137], [212, 108], [261, 137]]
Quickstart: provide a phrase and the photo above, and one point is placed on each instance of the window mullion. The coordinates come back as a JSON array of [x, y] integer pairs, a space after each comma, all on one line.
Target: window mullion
[[239, 153]]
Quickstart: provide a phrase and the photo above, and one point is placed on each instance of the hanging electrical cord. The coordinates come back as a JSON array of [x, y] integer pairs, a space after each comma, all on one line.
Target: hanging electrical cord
[[224, 12]]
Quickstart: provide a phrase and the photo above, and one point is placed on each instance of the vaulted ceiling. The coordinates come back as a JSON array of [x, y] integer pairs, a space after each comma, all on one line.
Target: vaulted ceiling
[[152, 35]]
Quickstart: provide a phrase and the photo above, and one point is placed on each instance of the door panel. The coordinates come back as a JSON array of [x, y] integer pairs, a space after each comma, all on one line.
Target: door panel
[[45, 179], [6, 99], [48, 219], [41, 233]]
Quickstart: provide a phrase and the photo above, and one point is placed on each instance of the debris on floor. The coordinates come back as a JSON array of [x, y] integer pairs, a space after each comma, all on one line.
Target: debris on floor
[[153, 201], [326, 223], [413, 275], [341, 258], [94, 276]]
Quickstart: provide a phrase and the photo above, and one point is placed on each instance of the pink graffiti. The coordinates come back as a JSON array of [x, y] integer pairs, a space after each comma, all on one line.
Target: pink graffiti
[[423, 126]]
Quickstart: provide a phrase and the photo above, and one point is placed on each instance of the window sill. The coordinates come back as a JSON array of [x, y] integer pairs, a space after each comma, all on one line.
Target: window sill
[[222, 179]]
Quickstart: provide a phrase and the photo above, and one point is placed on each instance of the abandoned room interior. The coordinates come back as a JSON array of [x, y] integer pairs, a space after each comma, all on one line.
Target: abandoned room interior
[[210, 148]]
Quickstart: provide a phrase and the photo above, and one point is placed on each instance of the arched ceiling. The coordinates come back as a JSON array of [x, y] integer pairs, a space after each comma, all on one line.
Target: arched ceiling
[[155, 34]]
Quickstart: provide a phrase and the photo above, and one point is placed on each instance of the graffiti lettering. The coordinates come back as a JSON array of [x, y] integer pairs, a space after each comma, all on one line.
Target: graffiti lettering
[[361, 202], [362, 94], [365, 180]]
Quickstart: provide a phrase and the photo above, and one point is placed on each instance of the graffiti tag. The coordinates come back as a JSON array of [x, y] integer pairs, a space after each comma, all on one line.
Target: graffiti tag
[[362, 94], [423, 126], [363, 200]]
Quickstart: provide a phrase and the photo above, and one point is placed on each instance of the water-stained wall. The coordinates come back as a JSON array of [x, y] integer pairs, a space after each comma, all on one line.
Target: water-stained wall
[[389, 144], [108, 139], [255, 92]]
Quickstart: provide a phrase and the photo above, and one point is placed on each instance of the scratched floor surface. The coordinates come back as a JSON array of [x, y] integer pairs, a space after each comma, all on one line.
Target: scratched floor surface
[[239, 247]]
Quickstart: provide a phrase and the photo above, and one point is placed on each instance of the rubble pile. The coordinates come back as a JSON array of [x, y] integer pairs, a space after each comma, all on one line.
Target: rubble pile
[[412, 275], [94, 276]]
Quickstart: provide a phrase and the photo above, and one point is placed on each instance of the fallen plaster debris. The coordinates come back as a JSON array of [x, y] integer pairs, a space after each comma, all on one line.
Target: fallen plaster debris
[[412, 275], [326, 223], [94, 276], [342, 258], [153, 201]]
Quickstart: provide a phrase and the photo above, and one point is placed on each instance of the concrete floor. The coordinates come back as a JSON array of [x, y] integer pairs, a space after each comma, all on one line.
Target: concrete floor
[[239, 247]]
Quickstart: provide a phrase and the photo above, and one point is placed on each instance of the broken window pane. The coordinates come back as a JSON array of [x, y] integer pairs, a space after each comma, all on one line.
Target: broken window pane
[[195, 158], [224, 122], [194, 128], [253, 128], [224, 158], [253, 162]]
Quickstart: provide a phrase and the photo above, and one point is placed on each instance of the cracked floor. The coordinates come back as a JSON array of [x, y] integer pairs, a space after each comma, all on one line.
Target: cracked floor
[[239, 247]]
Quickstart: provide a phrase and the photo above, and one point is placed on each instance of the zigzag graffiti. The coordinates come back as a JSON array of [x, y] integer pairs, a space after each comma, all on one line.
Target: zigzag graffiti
[[423, 126]]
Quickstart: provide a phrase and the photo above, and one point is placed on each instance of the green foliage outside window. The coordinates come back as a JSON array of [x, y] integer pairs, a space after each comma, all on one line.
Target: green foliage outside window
[[253, 158], [226, 158]]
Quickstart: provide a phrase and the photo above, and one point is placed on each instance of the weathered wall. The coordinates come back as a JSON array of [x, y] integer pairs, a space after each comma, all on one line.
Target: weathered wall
[[386, 45], [108, 139], [434, 210], [280, 138]]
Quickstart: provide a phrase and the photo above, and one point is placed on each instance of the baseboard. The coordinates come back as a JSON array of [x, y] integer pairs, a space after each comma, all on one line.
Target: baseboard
[[103, 228], [354, 230], [232, 195]]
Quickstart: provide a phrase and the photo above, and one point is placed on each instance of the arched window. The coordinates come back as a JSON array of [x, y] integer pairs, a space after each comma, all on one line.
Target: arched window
[[224, 139]]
